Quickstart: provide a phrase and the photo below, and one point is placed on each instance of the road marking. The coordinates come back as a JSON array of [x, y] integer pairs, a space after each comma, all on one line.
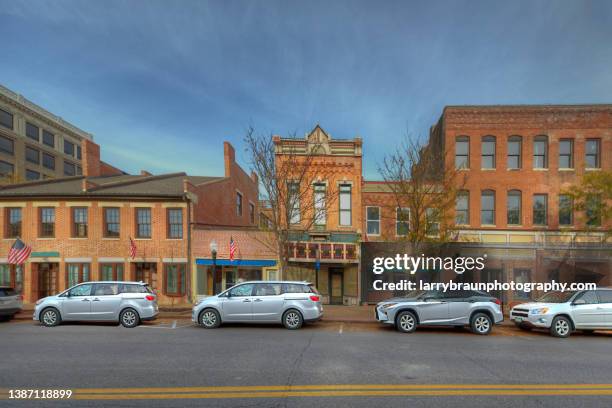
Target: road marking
[[174, 324], [341, 327]]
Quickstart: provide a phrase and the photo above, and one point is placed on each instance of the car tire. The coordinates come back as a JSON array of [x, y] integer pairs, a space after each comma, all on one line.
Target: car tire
[[292, 319], [209, 319], [129, 318], [561, 327], [481, 324], [50, 317], [406, 322]]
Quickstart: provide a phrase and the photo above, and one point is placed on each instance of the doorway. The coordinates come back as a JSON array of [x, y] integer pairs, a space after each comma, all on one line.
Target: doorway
[[146, 272], [336, 286], [46, 279]]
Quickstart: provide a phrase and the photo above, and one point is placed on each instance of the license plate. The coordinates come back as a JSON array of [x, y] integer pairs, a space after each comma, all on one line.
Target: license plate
[[518, 319]]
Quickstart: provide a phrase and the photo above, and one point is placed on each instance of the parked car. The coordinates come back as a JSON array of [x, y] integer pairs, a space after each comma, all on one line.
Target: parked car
[[476, 309], [287, 302], [128, 303], [564, 312], [11, 302]]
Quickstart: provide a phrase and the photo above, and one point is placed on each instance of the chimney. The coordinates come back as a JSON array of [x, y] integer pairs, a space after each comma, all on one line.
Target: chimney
[[145, 173], [90, 158], [254, 178], [229, 155]]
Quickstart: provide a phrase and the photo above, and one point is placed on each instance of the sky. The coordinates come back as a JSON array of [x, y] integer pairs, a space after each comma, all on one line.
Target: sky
[[161, 84]]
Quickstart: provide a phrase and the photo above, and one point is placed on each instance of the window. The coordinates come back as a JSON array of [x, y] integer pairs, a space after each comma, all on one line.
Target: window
[[540, 209], [295, 288], [488, 152], [111, 272], [47, 222], [13, 224], [592, 157], [77, 273], [373, 220], [79, 171], [174, 279], [79, 222], [48, 138], [515, 150], [605, 296], [126, 288], [32, 155], [239, 204], [68, 148], [433, 221], [10, 276], [69, 169], [487, 207], [242, 290], [143, 223], [514, 207], [589, 297], [462, 152], [7, 145], [402, 221], [252, 213], [566, 153], [32, 175], [106, 289], [48, 161], [540, 152], [6, 169], [462, 208], [345, 204], [78, 152], [593, 206], [111, 222], [6, 119], [175, 223], [522, 276], [81, 290], [319, 205], [267, 289], [566, 210], [293, 201], [32, 131]]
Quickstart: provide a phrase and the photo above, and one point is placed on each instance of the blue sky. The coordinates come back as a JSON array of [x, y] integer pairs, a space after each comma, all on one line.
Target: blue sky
[[162, 84]]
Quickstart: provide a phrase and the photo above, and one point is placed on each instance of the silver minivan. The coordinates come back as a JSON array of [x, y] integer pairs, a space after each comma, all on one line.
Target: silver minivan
[[128, 303], [287, 302]]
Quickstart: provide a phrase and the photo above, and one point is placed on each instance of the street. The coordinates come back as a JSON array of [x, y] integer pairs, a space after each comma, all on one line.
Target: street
[[172, 363]]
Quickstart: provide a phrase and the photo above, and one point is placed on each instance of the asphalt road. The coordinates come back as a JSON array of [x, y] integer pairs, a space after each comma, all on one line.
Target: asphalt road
[[326, 364]]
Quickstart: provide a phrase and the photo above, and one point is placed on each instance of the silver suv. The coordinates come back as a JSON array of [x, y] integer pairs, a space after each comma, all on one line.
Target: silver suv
[[126, 302], [563, 312], [287, 302], [458, 308], [11, 302]]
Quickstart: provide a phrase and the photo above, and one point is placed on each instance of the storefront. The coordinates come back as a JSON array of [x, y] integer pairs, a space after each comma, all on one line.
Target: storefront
[[214, 276]]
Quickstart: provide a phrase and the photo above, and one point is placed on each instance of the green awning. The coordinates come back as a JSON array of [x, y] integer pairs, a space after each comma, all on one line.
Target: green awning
[[47, 254]]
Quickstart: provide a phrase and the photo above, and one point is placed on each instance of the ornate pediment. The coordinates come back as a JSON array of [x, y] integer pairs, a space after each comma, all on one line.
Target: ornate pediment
[[318, 141]]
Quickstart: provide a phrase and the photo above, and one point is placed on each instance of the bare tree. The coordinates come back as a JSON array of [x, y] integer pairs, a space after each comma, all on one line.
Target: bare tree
[[289, 177]]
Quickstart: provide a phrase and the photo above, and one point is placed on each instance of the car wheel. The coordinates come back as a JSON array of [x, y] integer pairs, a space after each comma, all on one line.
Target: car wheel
[[481, 324], [292, 319], [561, 327], [406, 322], [210, 319], [50, 317], [129, 318]]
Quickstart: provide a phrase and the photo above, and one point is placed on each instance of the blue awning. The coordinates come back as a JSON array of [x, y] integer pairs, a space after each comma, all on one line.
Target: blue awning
[[238, 262]]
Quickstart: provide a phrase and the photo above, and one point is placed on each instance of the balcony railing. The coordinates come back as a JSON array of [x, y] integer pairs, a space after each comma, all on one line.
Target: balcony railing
[[324, 251]]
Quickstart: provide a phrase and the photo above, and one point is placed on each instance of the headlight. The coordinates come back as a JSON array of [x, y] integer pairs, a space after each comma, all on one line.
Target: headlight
[[389, 305], [38, 302], [540, 311]]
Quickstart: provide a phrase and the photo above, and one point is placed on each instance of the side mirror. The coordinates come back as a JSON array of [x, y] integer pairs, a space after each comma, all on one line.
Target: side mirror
[[580, 302]]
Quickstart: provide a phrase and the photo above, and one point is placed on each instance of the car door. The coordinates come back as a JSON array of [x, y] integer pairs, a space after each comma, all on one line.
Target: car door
[[459, 304], [105, 301], [433, 308], [76, 305], [586, 310], [238, 304], [268, 302], [605, 302]]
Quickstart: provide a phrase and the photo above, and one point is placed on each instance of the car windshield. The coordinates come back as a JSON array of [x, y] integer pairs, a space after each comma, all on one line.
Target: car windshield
[[556, 297]]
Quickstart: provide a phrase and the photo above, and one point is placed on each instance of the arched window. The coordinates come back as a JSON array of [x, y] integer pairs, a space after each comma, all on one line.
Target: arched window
[[487, 207], [488, 145], [462, 152], [513, 207], [540, 152], [515, 151]]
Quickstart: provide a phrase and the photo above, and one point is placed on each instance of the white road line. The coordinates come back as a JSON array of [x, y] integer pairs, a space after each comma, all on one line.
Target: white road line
[[341, 328], [174, 324]]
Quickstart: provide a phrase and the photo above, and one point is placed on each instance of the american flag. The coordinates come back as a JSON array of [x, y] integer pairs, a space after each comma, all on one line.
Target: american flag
[[232, 248], [19, 252], [132, 248]]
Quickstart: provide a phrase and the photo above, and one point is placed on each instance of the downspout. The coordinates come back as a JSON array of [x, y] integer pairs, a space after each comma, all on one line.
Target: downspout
[[189, 266]]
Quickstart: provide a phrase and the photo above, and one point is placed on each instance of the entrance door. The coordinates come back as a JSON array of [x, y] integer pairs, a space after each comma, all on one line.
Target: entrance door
[[146, 272], [336, 285], [47, 279]]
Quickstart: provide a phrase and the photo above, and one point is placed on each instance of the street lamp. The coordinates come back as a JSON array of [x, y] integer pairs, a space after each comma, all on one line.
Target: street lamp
[[213, 251]]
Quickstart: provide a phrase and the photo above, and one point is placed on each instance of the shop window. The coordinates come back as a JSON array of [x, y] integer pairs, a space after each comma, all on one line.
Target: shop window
[[174, 279], [111, 272], [77, 273]]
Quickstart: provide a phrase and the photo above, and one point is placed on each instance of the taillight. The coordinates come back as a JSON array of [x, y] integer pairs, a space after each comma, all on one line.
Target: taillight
[[314, 298], [150, 297], [21, 297], [497, 301]]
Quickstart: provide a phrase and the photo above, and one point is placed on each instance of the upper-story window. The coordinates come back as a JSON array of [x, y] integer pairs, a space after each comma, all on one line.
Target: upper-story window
[[175, 223], [514, 207], [402, 221], [32, 155], [432, 219], [592, 154], [48, 138], [462, 152], [69, 169], [515, 150], [345, 204], [111, 222], [487, 207], [373, 220], [566, 153], [47, 222], [462, 208], [13, 225], [252, 213], [293, 202], [593, 207], [540, 209], [566, 210], [540, 152], [78, 152], [143, 223], [48, 161], [488, 152], [32, 175], [239, 204], [79, 222], [32, 131], [68, 148], [320, 216], [6, 119], [7, 145], [6, 169]]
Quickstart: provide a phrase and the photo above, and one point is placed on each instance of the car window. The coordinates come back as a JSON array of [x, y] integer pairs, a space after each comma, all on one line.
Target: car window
[[81, 290], [589, 297], [7, 292], [432, 294], [605, 296], [313, 289], [106, 289], [457, 294], [295, 288], [127, 288], [242, 290], [267, 289]]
